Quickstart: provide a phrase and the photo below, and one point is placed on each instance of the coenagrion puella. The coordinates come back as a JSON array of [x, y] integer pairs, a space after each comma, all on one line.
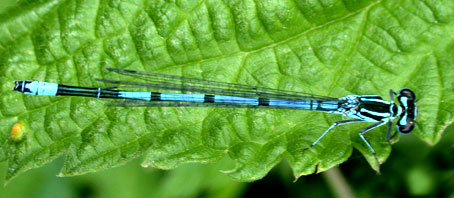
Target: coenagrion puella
[[204, 93]]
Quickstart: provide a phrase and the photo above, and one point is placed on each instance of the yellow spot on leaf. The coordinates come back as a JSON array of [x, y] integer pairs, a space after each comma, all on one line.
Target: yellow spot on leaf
[[18, 131]]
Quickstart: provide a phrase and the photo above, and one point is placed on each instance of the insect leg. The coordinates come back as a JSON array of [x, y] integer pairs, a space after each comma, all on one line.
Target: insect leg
[[388, 135], [331, 127], [361, 134], [391, 94]]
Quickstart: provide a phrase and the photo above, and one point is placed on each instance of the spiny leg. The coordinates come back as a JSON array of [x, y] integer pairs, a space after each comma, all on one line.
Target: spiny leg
[[389, 137], [391, 94], [361, 134], [331, 127], [388, 134]]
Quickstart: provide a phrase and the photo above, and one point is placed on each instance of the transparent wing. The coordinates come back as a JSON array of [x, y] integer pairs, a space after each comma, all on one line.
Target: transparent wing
[[138, 103], [186, 84]]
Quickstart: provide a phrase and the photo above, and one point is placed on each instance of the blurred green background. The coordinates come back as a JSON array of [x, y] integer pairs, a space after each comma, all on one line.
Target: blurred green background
[[413, 169]]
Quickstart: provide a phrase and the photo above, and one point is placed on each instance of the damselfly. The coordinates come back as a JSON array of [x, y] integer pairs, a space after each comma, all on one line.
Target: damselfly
[[204, 93]]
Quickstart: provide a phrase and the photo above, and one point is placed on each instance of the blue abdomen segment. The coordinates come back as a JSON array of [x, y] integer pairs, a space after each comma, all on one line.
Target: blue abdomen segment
[[182, 97], [37, 88], [137, 95], [47, 89], [315, 105], [236, 100], [303, 104]]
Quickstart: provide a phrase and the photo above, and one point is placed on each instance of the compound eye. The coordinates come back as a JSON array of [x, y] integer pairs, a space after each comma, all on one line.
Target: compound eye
[[407, 93], [407, 128]]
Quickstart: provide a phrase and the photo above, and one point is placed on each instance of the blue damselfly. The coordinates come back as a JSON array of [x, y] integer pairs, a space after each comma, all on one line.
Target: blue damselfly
[[205, 93]]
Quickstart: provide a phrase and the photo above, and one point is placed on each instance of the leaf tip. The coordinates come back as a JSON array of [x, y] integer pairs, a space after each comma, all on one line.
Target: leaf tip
[[297, 177], [61, 175], [146, 165], [227, 171]]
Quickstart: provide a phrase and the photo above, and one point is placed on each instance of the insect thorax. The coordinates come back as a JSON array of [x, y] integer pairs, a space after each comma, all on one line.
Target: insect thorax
[[370, 108]]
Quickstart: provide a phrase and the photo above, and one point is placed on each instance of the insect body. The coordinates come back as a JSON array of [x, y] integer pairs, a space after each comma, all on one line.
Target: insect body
[[204, 93]]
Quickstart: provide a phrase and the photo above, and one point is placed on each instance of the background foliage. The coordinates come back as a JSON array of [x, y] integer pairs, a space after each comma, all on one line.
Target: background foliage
[[324, 47]]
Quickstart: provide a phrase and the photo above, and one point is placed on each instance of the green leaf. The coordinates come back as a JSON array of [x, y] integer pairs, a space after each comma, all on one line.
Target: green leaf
[[327, 47]]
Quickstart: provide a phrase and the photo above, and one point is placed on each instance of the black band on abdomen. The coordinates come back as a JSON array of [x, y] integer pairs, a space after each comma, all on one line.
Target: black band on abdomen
[[208, 98], [264, 102], [155, 96]]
